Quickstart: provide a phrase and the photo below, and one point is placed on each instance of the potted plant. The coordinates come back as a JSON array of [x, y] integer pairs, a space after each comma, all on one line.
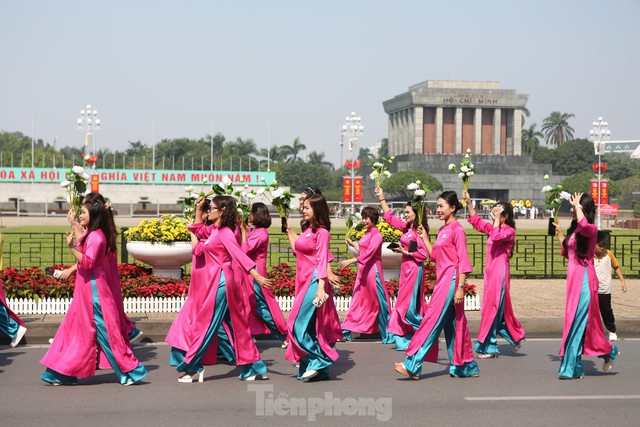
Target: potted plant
[[390, 260], [164, 243]]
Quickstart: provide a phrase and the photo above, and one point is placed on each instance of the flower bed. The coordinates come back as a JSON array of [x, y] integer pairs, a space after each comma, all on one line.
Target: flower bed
[[142, 289]]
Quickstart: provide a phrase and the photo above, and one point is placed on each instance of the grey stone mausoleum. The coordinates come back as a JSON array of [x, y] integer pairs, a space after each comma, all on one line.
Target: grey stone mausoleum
[[435, 122]]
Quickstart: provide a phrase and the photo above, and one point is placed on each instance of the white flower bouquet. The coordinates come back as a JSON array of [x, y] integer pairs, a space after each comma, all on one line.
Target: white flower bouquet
[[554, 197], [465, 171], [76, 186], [381, 170]]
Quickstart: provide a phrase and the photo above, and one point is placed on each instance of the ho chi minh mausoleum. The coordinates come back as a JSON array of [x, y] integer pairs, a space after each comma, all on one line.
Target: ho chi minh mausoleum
[[435, 122]]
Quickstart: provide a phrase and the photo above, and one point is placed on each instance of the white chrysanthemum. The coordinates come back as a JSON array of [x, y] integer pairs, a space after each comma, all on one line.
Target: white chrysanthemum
[[461, 174], [65, 184], [419, 193], [452, 166], [464, 169], [374, 175], [546, 188], [377, 165], [387, 174], [564, 195], [412, 186], [77, 170]]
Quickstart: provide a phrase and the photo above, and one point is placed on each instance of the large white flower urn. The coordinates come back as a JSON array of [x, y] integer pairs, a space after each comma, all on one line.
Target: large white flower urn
[[165, 258]]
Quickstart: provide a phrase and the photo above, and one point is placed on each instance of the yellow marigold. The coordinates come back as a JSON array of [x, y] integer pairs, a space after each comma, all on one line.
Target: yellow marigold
[[166, 229]]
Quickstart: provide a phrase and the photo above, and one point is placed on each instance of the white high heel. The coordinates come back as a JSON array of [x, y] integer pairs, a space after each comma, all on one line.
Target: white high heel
[[255, 377], [16, 340], [309, 374], [188, 377]]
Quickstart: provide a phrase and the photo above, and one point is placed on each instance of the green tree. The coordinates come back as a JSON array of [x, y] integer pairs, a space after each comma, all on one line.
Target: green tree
[[395, 187], [571, 158], [294, 150], [530, 139], [581, 183], [316, 158], [556, 129], [299, 175]]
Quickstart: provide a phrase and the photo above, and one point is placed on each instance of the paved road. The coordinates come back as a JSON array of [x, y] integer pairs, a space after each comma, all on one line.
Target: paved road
[[520, 390]]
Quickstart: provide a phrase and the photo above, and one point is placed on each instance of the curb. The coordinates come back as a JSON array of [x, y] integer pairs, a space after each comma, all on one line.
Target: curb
[[39, 332]]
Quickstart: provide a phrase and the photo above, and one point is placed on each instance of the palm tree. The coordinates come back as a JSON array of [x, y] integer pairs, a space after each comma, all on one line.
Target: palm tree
[[275, 153], [316, 158], [556, 129], [294, 150], [525, 113], [531, 139]]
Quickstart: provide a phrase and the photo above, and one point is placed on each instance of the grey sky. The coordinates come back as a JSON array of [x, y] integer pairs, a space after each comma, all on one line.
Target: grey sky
[[302, 67]]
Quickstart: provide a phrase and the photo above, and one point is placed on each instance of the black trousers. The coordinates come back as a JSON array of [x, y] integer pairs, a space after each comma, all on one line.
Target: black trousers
[[604, 301]]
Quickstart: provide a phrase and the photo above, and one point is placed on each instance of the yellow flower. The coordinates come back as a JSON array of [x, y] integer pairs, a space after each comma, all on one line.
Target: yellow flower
[[166, 229]]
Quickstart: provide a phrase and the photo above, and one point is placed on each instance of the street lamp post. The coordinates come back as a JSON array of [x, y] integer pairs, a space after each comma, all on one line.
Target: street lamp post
[[353, 128], [89, 123], [599, 134]]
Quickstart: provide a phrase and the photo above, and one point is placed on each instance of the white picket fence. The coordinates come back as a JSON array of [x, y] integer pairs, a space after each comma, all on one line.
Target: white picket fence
[[171, 305]]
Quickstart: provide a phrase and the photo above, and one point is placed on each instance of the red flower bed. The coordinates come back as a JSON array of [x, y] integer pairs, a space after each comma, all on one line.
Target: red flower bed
[[137, 281]]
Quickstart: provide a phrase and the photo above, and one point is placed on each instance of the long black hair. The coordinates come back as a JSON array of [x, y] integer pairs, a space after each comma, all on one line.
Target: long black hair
[[111, 239], [321, 216], [582, 243], [507, 210], [261, 215], [99, 220], [228, 211]]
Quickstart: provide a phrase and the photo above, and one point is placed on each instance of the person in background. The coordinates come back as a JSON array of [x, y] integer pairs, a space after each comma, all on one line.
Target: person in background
[[497, 311], [265, 313], [369, 309], [605, 263], [410, 304], [582, 333], [446, 307]]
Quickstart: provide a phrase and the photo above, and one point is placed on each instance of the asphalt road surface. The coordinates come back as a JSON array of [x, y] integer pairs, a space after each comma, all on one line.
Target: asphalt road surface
[[520, 390]]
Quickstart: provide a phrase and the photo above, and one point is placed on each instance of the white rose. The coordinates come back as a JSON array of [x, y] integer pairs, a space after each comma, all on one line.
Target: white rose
[[546, 188], [277, 193], [374, 175], [65, 184], [77, 170], [464, 169], [419, 193], [387, 174], [470, 173], [461, 174], [226, 181], [377, 165], [564, 195], [412, 186], [452, 166]]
